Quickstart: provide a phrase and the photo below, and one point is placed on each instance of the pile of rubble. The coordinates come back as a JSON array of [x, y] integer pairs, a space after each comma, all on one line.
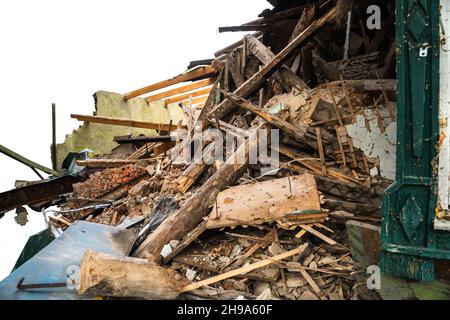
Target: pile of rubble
[[228, 229]]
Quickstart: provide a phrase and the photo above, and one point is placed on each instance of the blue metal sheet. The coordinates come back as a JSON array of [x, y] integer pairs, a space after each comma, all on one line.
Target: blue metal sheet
[[52, 263]]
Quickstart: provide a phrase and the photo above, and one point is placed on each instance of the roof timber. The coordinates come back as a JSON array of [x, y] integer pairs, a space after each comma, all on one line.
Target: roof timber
[[188, 95], [179, 90], [189, 75]]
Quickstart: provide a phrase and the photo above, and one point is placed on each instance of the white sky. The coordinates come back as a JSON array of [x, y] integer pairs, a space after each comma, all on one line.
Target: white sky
[[64, 51]]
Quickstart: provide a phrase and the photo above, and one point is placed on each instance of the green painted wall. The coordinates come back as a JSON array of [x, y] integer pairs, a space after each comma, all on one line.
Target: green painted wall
[[99, 137]]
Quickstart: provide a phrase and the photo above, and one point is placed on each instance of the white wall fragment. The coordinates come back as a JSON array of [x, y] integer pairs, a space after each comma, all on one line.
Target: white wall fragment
[[375, 144]]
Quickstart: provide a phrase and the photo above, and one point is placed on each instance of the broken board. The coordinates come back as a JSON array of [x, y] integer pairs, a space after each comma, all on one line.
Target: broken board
[[289, 199]]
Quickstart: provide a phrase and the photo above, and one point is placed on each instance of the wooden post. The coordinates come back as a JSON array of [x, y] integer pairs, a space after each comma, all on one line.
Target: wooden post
[[113, 276], [53, 151], [177, 225]]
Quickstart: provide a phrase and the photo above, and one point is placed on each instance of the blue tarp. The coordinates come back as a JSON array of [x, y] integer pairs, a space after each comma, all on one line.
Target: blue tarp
[[61, 257]]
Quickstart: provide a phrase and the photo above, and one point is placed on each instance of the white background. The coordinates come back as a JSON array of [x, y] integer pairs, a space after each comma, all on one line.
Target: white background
[[64, 51]]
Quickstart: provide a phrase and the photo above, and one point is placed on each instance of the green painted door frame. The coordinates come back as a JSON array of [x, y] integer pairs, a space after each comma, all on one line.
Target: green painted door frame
[[409, 241]]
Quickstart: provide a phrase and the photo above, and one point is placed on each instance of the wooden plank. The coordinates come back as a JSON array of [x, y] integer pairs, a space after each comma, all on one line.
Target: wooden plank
[[179, 90], [234, 70], [142, 151], [188, 239], [105, 163], [179, 223], [188, 95], [259, 27], [198, 100], [285, 75], [364, 243], [253, 83], [239, 261], [318, 234], [245, 269], [189, 75], [311, 282], [126, 122], [341, 146], [271, 200], [116, 276], [321, 154], [347, 99], [335, 105], [298, 133], [369, 84]]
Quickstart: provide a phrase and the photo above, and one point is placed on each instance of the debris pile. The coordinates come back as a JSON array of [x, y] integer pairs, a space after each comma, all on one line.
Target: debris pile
[[227, 229]]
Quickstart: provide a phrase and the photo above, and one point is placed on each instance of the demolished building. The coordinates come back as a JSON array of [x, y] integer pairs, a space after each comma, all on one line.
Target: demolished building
[[349, 181]]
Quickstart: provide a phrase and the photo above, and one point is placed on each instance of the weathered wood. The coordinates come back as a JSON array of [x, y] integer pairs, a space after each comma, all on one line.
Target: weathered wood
[[126, 122], [310, 281], [234, 70], [298, 133], [144, 139], [105, 163], [364, 243], [142, 151], [370, 84], [259, 27], [318, 234], [192, 173], [314, 166], [197, 206], [271, 200], [307, 66], [187, 240], [286, 76], [303, 22], [209, 103], [193, 94], [353, 207], [321, 153], [180, 90], [189, 75], [238, 44], [253, 83], [239, 261], [245, 269], [113, 276], [198, 100]]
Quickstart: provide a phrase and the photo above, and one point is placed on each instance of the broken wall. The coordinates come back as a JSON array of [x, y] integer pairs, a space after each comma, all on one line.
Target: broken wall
[[99, 137], [376, 136]]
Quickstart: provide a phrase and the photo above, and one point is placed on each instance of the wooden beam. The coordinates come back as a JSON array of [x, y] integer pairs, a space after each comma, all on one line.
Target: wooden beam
[[253, 83], [185, 219], [189, 75], [188, 95], [105, 163], [103, 274], [259, 27], [179, 90], [245, 269], [298, 133], [318, 234], [285, 75], [126, 122], [198, 100], [370, 84]]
